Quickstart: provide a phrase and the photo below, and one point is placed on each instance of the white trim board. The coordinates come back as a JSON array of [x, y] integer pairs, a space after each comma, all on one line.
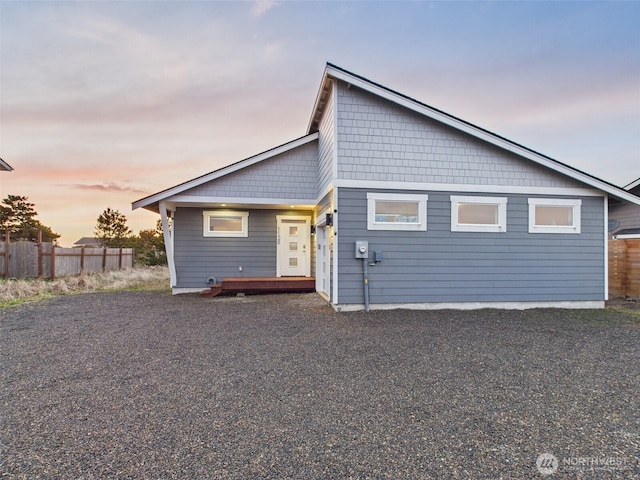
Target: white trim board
[[455, 187]]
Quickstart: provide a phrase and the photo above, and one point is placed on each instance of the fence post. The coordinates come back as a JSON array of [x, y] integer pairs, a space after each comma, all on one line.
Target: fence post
[[40, 254], [120, 259], [7, 245], [53, 261], [81, 260], [104, 259]]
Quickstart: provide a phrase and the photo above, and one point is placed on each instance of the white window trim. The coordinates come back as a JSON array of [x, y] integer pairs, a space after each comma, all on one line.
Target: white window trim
[[225, 213], [501, 202], [574, 204], [421, 200]]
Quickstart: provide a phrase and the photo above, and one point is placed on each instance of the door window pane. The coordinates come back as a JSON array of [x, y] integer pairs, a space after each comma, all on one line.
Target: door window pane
[[293, 246]]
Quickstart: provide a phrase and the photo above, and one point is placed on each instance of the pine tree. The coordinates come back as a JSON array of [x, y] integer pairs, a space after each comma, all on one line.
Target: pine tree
[[112, 230], [17, 215]]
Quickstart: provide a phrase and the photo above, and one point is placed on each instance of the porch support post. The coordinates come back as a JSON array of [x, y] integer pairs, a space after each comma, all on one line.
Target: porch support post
[[168, 243]]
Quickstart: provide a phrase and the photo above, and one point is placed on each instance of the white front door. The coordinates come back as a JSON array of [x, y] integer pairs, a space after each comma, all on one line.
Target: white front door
[[294, 234]]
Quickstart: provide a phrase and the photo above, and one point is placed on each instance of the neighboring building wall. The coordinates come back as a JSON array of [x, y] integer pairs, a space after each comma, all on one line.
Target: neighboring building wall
[[627, 214], [381, 141], [326, 145], [443, 266], [198, 258], [291, 175]]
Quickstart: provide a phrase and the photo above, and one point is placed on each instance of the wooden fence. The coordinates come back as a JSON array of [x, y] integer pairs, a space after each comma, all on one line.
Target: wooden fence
[[624, 268], [24, 259]]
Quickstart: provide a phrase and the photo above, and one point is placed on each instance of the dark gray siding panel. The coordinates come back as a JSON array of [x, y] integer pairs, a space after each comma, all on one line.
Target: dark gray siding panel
[[627, 214], [197, 257], [443, 266]]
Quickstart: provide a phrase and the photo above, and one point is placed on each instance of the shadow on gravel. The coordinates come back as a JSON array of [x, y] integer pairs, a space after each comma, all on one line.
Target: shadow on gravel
[[146, 385]]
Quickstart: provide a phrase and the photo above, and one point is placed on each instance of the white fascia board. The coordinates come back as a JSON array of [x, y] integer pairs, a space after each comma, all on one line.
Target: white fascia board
[[318, 101], [454, 187], [171, 192], [479, 133]]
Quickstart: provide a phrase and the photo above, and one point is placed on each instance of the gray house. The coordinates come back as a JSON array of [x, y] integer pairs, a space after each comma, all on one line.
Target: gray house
[[438, 212]]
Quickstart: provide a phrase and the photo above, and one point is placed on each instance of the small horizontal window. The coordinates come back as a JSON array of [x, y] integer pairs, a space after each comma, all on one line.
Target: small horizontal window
[[391, 211], [550, 215], [223, 223], [478, 214]]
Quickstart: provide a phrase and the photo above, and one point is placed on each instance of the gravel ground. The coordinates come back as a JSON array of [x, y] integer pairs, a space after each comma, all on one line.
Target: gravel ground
[[148, 386]]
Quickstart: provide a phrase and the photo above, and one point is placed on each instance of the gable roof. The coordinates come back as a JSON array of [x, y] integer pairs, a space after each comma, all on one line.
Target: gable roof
[[151, 200], [334, 72], [88, 241], [5, 166]]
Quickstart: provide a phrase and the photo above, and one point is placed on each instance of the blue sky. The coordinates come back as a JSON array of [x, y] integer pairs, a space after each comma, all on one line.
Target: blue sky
[[102, 103]]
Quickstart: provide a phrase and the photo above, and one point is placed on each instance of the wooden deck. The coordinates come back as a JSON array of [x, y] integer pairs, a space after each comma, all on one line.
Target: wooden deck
[[261, 285]]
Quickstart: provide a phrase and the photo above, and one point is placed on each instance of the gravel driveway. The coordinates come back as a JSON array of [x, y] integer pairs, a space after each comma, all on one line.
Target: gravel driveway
[[148, 386]]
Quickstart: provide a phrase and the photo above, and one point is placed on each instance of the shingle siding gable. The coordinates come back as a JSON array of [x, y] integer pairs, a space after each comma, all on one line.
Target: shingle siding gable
[[381, 141], [292, 174]]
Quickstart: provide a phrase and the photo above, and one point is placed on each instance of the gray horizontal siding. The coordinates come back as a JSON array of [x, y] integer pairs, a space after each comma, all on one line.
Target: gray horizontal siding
[[443, 266], [198, 257]]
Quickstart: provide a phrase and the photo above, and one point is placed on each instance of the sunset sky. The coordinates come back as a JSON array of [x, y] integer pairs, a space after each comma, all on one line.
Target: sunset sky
[[102, 103]]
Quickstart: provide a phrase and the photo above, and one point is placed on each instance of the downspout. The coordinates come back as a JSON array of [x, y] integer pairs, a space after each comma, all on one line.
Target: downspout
[[168, 244], [606, 247], [365, 274]]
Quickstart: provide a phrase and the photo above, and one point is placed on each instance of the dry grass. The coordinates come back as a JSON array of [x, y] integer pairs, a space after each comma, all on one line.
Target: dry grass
[[13, 291]]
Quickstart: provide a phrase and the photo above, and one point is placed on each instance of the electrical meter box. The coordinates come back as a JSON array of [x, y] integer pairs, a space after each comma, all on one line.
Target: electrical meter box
[[362, 249]]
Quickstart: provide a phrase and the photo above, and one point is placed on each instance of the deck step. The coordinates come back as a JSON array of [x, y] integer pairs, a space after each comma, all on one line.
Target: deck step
[[261, 285]]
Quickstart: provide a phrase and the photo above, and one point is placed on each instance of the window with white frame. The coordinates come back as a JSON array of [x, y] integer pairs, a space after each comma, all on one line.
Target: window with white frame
[[478, 214], [554, 215], [225, 223], [396, 211]]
